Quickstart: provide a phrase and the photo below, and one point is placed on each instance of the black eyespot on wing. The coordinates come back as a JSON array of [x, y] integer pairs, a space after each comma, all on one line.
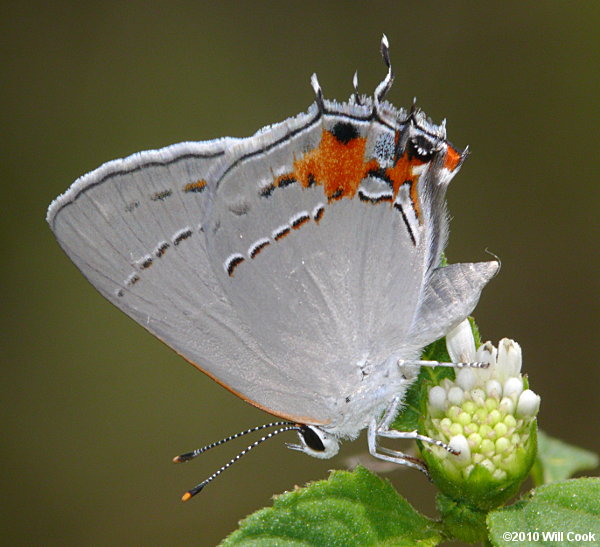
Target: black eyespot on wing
[[420, 147], [344, 132], [311, 439]]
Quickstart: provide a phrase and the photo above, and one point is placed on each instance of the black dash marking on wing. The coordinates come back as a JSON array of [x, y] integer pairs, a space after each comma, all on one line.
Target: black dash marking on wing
[[232, 262], [180, 236], [398, 207], [267, 190], [132, 279], [258, 246], [161, 249], [299, 219], [337, 194], [363, 195], [281, 232], [161, 196], [146, 263], [285, 180], [380, 174], [318, 212]]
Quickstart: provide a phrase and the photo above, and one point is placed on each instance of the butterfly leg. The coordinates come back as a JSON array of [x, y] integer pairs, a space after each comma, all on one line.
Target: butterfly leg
[[394, 456], [380, 429]]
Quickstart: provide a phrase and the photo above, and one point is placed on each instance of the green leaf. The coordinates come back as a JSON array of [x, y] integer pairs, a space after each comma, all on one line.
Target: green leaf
[[557, 460], [349, 509], [475, 330], [571, 507], [461, 521]]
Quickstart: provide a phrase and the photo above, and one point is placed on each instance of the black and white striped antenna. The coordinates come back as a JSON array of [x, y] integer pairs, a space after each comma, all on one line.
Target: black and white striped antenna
[[282, 428]]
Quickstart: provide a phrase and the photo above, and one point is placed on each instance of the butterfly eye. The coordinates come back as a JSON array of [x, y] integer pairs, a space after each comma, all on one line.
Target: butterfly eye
[[312, 439]]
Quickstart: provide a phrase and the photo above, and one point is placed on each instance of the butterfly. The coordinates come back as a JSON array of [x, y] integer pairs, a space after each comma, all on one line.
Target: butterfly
[[299, 267]]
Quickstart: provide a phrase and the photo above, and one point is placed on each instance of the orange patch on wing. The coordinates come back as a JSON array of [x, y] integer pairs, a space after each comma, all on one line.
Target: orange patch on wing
[[452, 159], [402, 172], [197, 186], [338, 166]]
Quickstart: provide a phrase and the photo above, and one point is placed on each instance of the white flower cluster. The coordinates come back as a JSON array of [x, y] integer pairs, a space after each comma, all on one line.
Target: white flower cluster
[[485, 413]]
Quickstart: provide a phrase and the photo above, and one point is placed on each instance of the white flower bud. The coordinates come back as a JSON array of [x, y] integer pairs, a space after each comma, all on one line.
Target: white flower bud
[[507, 405], [437, 400], [478, 395], [487, 353], [528, 405], [460, 444], [509, 359], [466, 378], [493, 388], [513, 387], [455, 395], [460, 343]]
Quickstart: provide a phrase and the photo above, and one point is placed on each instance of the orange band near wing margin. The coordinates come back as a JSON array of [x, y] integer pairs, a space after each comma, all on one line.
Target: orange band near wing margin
[[304, 420]]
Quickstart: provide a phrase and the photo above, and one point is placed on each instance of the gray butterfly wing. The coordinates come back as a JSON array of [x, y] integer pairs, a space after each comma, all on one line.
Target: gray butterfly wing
[[330, 280], [451, 295], [249, 261], [134, 228]]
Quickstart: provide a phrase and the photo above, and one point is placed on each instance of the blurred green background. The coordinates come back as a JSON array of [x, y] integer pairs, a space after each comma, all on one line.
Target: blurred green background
[[93, 407]]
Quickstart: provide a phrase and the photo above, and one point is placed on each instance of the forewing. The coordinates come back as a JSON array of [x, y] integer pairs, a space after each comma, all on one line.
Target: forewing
[[134, 227]]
